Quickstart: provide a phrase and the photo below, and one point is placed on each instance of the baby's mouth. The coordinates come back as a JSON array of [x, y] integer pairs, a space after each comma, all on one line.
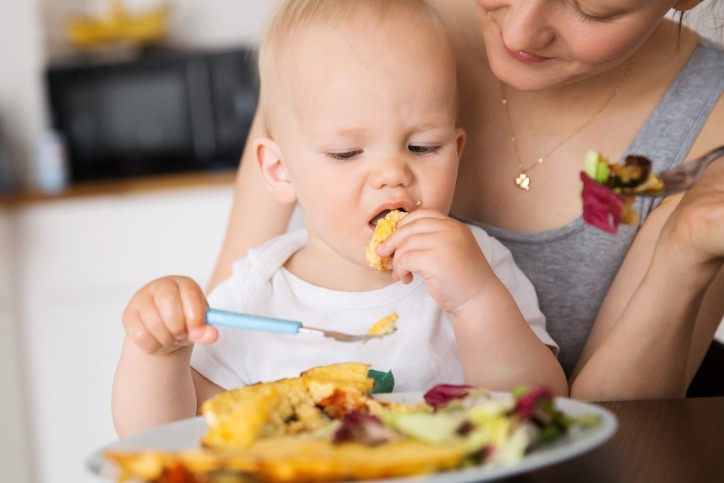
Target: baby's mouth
[[381, 215]]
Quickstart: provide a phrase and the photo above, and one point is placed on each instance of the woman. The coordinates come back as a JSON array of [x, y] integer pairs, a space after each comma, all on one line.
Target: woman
[[542, 81]]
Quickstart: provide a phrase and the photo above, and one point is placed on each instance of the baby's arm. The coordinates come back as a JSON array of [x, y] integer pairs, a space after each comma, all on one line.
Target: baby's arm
[[499, 350], [153, 383]]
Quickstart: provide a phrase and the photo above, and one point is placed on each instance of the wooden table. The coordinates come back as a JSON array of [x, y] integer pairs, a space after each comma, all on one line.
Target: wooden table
[[661, 441]]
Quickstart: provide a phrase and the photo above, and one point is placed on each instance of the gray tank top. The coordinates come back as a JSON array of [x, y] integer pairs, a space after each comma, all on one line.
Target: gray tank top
[[573, 266]]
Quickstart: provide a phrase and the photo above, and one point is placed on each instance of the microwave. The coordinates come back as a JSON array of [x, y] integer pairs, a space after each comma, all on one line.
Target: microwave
[[160, 113]]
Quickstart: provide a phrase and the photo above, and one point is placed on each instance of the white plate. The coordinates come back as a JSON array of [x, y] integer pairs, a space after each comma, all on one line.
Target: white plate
[[186, 434]]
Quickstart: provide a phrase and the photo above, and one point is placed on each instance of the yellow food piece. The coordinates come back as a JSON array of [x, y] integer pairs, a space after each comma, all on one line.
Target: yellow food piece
[[383, 230], [241, 416], [653, 184], [385, 325], [625, 172], [254, 412], [351, 377], [629, 216], [299, 459]]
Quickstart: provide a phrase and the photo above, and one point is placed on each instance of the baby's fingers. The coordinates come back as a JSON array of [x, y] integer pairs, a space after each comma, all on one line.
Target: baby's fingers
[[195, 305], [169, 303], [145, 329], [166, 314], [182, 306]]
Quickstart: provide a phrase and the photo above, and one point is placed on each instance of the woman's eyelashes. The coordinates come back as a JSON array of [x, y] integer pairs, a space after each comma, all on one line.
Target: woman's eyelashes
[[586, 16]]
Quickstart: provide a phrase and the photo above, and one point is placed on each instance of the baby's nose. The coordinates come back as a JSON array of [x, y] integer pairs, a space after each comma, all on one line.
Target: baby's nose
[[391, 172]]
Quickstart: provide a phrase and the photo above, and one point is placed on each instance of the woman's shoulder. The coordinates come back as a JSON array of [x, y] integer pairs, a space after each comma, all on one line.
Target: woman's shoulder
[[710, 134], [704, 75], [461, 20]]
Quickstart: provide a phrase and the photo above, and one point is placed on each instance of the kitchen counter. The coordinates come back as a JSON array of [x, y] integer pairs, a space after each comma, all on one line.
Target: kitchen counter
[[122, 186]]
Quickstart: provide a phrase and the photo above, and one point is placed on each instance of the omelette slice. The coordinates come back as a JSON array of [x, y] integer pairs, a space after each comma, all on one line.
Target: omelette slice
[[292, 459], [383, 230], [306, 403]]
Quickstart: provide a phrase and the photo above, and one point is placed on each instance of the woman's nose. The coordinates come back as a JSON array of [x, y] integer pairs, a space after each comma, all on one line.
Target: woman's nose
[[527, 25]]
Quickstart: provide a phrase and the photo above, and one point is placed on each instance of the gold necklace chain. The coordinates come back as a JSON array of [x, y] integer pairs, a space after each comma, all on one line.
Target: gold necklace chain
[[522, 179]]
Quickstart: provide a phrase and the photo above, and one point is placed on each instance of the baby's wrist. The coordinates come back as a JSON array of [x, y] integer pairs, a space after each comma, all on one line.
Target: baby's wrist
[[486, 299], [182, 352]]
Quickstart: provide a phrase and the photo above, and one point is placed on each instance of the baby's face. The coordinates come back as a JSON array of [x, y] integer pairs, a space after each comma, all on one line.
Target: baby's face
[[372, 128]]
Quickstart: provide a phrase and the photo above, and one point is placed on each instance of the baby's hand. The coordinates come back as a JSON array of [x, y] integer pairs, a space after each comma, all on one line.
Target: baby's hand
[[167, 314], [444, 252]]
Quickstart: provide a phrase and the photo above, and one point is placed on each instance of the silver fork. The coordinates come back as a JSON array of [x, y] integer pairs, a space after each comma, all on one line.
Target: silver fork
[[238, 320], [681, 177]]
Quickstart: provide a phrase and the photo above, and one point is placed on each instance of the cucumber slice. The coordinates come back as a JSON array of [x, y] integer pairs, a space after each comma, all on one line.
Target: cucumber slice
[[596, 166], [429, 428]]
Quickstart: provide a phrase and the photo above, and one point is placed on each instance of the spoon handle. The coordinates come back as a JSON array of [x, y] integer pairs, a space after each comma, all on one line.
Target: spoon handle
[[238, 320]]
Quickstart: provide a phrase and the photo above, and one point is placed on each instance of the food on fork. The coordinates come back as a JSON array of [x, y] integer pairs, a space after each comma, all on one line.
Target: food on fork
[[608, 189], [384, 228], [325, 426], [385, 325], [634, 175]]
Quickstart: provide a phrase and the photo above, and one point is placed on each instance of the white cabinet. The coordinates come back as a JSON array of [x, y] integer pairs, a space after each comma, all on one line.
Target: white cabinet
[[80, 261], [14, 441]]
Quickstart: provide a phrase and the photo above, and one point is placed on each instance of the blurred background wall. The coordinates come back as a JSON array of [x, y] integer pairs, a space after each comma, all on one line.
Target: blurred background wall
[[66, 266]]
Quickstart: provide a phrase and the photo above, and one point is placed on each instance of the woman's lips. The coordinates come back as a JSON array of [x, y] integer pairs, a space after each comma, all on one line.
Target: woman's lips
[[526, 57], [522, 55]]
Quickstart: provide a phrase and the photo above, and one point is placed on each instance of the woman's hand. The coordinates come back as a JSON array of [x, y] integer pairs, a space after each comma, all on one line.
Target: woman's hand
[[167, 314], [695, 229], [666, 298], [444, 252]]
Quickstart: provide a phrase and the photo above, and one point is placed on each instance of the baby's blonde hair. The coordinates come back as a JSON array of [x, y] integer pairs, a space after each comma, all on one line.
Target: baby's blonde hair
[[295, 16]]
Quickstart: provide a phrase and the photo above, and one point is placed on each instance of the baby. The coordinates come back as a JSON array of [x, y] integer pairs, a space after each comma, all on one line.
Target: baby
[[358, 101]]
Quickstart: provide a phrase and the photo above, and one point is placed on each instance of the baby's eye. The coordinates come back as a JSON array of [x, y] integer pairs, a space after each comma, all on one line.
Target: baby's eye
[[345, 155], [419, 149]]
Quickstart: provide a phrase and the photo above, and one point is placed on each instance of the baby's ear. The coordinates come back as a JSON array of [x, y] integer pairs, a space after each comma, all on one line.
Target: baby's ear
[[460, 139], [270, 159]]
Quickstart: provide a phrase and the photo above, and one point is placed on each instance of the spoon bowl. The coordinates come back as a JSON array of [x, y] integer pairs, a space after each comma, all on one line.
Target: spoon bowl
[[681, 177]]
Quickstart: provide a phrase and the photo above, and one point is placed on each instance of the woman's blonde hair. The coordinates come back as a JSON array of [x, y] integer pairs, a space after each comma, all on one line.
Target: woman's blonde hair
[[294, 16]]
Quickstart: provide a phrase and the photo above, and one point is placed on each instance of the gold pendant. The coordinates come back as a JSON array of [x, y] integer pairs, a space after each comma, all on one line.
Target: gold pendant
[[522, 181]]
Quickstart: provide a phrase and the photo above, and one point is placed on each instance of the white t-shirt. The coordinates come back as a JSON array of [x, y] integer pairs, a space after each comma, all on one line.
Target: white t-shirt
[[420, 354]]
